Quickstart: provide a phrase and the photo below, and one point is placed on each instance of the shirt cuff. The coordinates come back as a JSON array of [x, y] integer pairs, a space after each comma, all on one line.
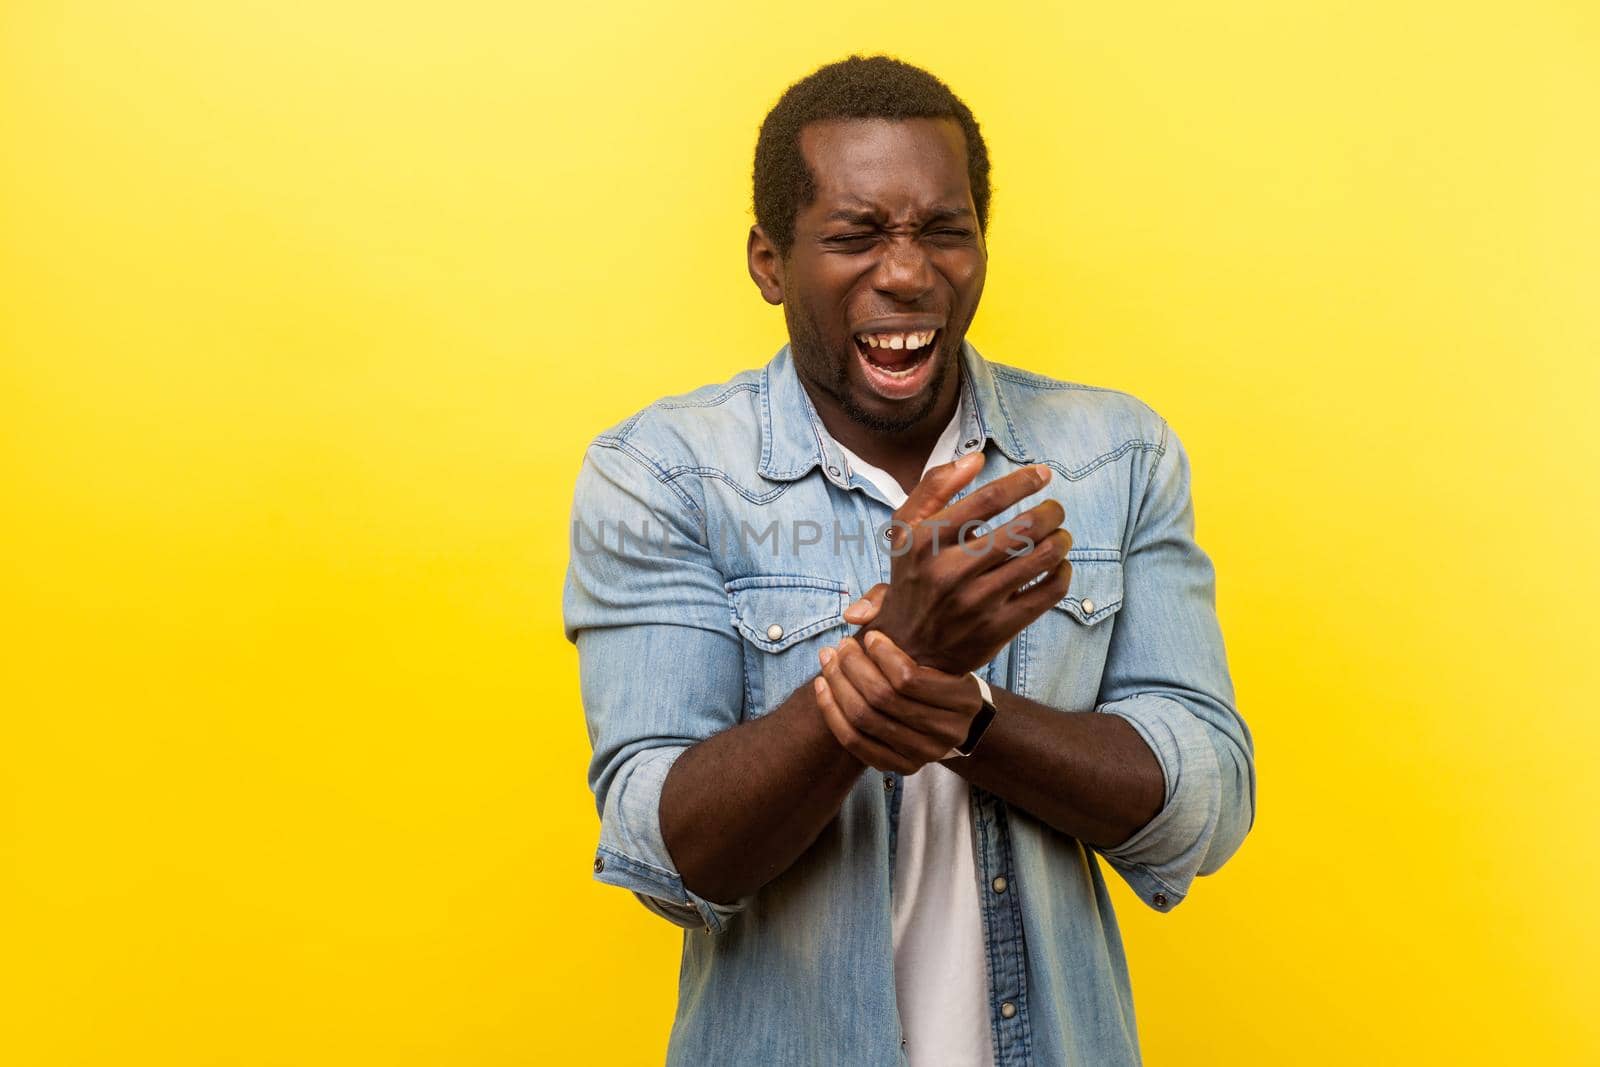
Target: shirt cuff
[[1161, 859], [632, 854], [662, 892]]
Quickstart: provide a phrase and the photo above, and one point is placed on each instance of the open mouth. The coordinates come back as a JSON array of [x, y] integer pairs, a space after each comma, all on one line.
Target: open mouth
[[897, 364]]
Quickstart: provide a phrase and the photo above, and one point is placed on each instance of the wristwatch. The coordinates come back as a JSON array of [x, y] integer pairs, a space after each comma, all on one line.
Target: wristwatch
[[980, 721]]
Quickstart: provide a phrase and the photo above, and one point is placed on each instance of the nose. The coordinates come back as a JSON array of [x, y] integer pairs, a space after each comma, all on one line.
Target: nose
[[905, 272]]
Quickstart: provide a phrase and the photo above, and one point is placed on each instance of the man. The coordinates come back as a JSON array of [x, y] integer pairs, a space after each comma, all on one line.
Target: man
[[884, 846]]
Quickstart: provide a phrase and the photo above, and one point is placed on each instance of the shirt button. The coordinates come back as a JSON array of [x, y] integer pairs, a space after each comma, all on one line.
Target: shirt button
[[1159, 900], [999, 883], [599, 864], [1008, 1009], [774, 632], [971, 444], [888, 783], [1088, 606]]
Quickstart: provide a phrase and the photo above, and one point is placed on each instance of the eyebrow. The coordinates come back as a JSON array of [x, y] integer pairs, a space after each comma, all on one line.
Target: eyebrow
[[866, 216]]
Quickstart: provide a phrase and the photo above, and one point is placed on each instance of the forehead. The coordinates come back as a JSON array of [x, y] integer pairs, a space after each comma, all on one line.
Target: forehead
[[891, 164]]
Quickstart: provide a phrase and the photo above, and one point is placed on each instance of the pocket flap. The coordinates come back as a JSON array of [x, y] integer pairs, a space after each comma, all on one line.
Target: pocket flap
[[775, 611], [1095, 592]]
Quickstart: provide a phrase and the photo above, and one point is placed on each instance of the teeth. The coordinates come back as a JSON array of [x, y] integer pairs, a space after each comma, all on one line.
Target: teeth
[[897, 340]]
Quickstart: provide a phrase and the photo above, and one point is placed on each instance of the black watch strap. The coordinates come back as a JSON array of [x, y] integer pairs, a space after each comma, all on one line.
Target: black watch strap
[[980, 724]]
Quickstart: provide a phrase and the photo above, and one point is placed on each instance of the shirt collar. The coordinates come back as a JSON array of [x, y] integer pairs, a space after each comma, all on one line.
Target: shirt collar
[[793, 439]]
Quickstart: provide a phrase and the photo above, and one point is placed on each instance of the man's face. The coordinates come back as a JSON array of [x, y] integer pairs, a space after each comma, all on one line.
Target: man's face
[[886, 269]]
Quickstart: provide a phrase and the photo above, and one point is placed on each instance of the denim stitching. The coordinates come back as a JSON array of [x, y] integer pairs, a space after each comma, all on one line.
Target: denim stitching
[[767, 436], [1175, 896], [980, 803], [710, 402], [635, 861], [1136, 504], [633, 420], [1014, 906], [755, 637], [1107, 606], [628, 448], [1040, 381], [785, 581], [1024, 455], [713, 472], [766, 417], [1079, 473], [750, 702]]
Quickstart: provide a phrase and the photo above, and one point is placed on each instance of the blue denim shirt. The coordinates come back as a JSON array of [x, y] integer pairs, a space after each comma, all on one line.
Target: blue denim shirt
[[718, 536]]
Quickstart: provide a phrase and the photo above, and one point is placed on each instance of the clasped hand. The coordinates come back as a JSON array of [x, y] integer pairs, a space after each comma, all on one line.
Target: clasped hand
[[898, 694]]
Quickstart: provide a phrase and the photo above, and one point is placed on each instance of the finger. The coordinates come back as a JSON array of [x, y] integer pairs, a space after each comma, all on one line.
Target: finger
[[862, 700], [1030, 603], [866, 609], [908, 726], [1002, 581], [1019, 532], [1043, 518], [1010, 543], [850, 739], [1021, 529], [866, 722], [973, 556], [1013, 540], [932, 494], [990, 500], [945, 692]]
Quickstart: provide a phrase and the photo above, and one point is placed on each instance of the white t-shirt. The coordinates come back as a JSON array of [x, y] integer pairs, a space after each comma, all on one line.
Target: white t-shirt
[[940, 966]]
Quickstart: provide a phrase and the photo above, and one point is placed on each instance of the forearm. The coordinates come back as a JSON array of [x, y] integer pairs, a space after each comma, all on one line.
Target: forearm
[[738, 808], [1090, 776]]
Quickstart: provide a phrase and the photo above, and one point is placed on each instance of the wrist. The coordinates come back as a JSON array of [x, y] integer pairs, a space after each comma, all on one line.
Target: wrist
[[980, 723], [904, 644]]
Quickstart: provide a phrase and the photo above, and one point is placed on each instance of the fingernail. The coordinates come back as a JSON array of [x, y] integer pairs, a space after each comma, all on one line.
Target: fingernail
[[872, 638], [826, 656], [1043, 472]]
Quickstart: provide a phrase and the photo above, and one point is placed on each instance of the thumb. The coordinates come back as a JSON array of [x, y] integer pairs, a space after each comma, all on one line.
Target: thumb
[[866, 609]]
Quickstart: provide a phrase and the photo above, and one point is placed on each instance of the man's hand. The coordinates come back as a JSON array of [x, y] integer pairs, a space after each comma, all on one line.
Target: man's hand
[[954, 598], [888, 711]]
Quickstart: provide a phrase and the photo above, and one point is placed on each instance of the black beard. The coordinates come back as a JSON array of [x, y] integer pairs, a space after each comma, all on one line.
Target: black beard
[[832, 378]]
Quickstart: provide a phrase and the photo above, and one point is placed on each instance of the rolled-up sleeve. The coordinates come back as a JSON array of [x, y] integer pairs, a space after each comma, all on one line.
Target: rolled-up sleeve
[[660, 665], [1167, 674]]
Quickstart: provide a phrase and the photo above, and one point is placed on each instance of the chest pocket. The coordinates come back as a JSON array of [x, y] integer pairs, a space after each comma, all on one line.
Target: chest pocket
[[1063, 654], [784, 620], [1096, 590]]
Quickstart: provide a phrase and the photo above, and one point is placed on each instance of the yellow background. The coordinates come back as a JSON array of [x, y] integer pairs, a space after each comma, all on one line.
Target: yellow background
[[307, 311]]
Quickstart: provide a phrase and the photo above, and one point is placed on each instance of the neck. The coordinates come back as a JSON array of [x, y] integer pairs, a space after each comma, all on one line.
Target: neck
[[902, 454]]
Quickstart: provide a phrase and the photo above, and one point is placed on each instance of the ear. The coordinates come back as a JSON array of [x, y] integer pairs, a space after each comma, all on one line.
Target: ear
[[766, 266]]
